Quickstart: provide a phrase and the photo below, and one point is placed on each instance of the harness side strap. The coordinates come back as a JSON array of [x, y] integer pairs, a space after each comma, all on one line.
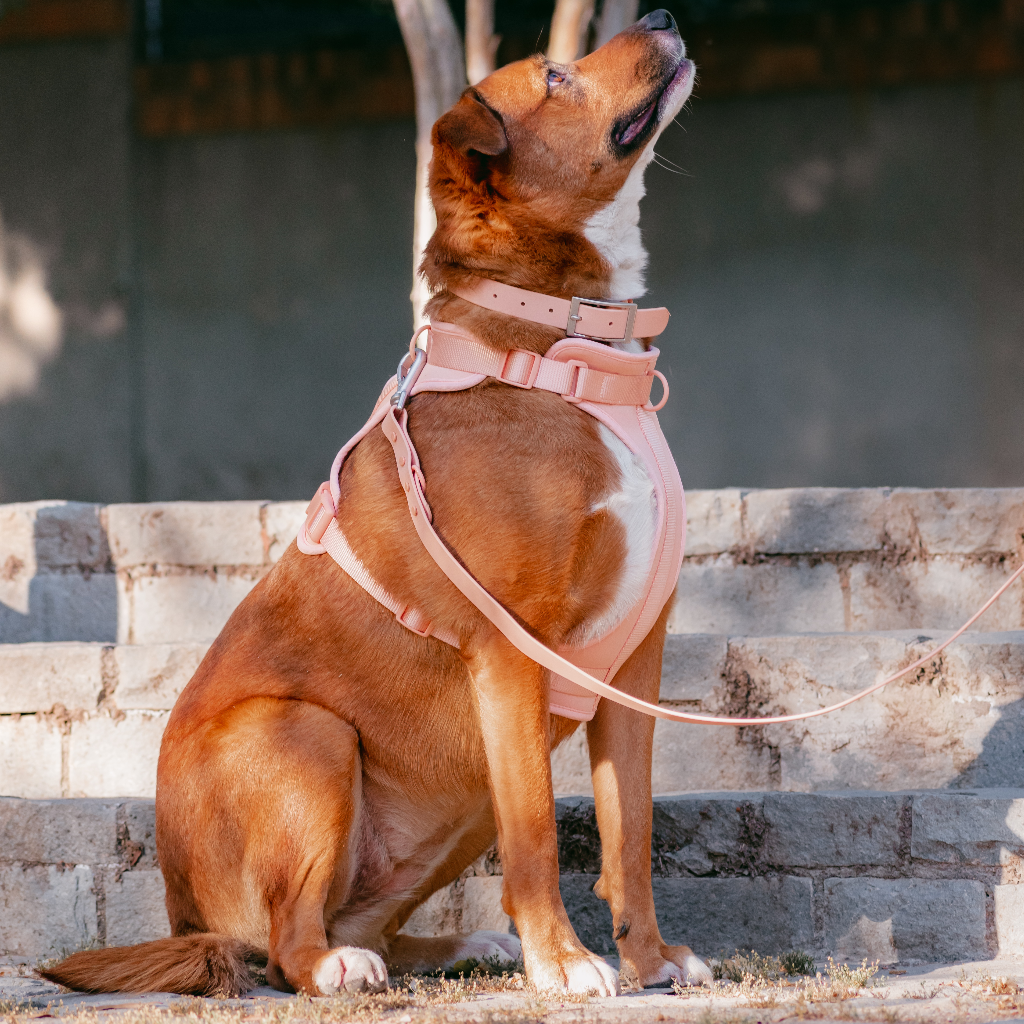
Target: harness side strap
[[395, 427]]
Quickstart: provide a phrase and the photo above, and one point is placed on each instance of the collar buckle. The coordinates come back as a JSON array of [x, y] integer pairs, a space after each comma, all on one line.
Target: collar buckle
[[575, 317]]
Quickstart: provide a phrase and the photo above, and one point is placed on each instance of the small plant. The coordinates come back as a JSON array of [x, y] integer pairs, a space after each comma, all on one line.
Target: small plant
[[840, 982], [797, 962], [759, 992]]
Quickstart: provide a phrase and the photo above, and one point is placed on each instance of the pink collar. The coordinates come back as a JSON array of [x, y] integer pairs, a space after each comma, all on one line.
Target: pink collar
[[597, 319]]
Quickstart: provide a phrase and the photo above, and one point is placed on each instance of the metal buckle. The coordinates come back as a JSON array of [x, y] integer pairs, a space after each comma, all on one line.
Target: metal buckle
[[407, 378], [531, 377], [575, 318]]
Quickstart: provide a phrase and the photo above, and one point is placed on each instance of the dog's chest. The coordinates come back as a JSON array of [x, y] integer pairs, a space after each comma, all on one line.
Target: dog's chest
[[634, 503]]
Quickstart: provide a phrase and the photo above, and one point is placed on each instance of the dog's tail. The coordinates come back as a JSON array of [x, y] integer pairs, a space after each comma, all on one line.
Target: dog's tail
[[203, 964]]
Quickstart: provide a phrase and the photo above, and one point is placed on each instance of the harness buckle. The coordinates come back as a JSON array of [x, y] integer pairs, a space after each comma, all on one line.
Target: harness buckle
[[575, 317], [512, 363]]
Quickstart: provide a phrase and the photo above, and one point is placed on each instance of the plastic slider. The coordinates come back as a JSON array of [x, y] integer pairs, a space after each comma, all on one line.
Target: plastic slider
[[319, 513], [514, 364], [576, 380]]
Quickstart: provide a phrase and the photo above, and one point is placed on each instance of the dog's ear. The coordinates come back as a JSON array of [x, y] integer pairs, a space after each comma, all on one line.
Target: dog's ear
[[471, 128]]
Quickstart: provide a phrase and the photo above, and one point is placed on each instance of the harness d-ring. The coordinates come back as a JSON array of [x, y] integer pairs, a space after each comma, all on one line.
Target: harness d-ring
[[664, 397]]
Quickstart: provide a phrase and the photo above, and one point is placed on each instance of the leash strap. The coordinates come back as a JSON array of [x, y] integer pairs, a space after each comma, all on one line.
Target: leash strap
[[395, 427]]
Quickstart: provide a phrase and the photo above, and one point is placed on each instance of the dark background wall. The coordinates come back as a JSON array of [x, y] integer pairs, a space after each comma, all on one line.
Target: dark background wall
[[845, 268]]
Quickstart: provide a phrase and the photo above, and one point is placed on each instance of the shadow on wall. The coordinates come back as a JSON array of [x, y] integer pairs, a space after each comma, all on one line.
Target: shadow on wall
[[31, 325], [1001, 761], [56, 577]]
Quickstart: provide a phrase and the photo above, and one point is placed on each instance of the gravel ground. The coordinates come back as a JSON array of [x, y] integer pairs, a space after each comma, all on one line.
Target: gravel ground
[[983, 991]]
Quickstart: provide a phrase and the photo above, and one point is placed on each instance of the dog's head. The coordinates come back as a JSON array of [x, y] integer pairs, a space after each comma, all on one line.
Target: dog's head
[[537, 172]]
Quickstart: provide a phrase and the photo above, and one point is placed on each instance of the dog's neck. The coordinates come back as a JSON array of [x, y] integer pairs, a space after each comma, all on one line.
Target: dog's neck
[[605, 259]]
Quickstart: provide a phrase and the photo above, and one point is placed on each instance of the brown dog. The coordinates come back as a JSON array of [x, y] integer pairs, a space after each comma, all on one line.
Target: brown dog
[[326, 769]]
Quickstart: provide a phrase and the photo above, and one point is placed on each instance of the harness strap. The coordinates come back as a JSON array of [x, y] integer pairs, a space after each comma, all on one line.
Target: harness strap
[[395, 427], [574, 380], [578, 317]]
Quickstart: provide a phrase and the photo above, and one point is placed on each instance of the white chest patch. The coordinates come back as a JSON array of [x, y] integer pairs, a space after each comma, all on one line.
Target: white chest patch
[[615, 232], [635, 504]]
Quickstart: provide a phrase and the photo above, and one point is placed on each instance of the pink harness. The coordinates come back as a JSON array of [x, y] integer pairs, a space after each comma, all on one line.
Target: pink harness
[[614, 388]]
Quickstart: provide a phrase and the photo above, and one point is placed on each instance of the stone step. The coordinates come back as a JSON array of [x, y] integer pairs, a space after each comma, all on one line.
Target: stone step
[[758, 563], [85, 719], [877, 875]]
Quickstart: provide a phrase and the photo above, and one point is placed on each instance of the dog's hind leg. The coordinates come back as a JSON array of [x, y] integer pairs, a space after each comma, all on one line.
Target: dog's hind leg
[[512, 703], [257, 825], [621, 744]]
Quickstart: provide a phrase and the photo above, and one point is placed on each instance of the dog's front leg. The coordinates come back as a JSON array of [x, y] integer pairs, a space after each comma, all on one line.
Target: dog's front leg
[[512, 701], [621, 744]]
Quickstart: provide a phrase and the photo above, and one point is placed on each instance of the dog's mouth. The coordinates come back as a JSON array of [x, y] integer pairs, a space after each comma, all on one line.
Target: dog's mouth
[[637, 126]]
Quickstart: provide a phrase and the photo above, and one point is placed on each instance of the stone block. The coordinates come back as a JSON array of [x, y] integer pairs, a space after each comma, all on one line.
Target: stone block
[[978, 827], [1009, 914], [17, 554], [58, 831], [704, 758], [831, 830], [115, 757], [135, 908], [967, 521], [439, 914], [940, 592], [179, 608], [193, 533], [46, 909], [570, 766], [36, 676], [714, 521], [481, 905], [718, 596], [905, 919], [770, 914], [704, 834], [71, 535], [30, 756], [281, 522], [137, 818], [692, 666], [814, 519], [63, 606], [150, 676]]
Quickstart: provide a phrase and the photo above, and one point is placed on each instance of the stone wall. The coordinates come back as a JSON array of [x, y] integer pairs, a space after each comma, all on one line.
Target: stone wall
[[855, 875]]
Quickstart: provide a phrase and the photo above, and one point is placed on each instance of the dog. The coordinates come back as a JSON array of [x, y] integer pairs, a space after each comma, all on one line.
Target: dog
[[326, 769]]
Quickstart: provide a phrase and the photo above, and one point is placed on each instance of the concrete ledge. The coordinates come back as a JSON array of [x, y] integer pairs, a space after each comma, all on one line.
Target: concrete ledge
[[86, 719], [758, 562]]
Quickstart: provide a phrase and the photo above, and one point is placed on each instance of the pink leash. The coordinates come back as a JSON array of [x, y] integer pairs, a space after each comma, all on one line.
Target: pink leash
[[395, 427]]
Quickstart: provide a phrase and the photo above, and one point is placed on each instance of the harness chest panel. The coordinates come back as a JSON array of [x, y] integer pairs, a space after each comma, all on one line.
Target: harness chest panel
[[614, 388]]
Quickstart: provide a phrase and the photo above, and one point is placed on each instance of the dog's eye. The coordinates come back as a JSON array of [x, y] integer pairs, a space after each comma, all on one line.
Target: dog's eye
[[555, 78]]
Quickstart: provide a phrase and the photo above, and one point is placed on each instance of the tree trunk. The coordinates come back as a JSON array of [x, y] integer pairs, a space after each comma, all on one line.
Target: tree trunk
[[439, 76], [569, 28], [481, 42], [615, 16]]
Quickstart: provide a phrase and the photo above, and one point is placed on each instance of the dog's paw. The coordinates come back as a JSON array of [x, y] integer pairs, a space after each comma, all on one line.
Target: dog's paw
[[583, 974], [352, 969], [498, 948], [683, 966]]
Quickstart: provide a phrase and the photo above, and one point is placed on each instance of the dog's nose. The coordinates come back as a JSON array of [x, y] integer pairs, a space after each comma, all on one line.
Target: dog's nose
[[658, 21]]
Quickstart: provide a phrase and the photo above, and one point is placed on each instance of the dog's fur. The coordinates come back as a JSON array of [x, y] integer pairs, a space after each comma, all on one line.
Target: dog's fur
[[326, 770]]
